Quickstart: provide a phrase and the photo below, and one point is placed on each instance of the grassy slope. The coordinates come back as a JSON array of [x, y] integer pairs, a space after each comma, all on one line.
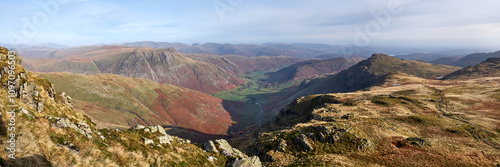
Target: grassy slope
[[367, 72], [140, 101], [489, 67], [457, 119]]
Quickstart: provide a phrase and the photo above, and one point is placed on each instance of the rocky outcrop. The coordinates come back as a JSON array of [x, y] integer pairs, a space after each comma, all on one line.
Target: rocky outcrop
[[229, 151], [210, 146], [303, 143], [167, 139], [81, 127], [147, 141]]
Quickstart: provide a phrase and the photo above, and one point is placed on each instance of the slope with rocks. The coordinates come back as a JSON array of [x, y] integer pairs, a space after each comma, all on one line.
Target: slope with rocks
[[39, 127], [116, 101], [302, 70], [367, 72], [418, 123], [488, 68]]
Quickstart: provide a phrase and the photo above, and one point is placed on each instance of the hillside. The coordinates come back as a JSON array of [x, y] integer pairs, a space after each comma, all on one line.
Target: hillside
[[302, 70], [488, 68], [469, 60], [159, 65], [39, 127], [242, 64], [417, 123], [367, 72], [116, 101]]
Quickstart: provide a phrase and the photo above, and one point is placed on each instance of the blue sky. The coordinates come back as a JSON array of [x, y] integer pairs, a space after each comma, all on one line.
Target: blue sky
[[420, 23]]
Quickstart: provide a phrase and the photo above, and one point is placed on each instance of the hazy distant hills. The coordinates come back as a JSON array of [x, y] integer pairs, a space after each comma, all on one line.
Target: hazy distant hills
[[368, 71], [488, 68], [471, 59], [426, 57], [117, 101], [302, 70], [299, 50]]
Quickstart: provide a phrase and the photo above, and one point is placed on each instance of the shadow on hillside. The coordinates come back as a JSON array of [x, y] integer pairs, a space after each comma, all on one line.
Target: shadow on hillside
[[34, 160], [194, 136]]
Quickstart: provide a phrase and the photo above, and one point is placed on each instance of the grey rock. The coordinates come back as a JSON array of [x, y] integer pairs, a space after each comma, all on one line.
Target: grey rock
[[167, 139], [137, 127], [303, 143], [147, 141], [281, 146], [229, 151], [210, 146], [211, 158]]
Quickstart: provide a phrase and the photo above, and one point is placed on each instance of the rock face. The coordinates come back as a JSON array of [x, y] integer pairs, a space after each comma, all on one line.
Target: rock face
[[245, 162]]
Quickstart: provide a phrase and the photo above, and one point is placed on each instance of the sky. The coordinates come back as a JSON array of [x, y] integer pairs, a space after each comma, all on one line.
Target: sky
[[419, 23]]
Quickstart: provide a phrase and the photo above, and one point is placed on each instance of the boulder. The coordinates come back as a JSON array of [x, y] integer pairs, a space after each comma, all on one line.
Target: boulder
[[229, 151], [167, 139], [153, 129], [210, 146], [211, 158], [137, 127], [148, 141], [161, 129]]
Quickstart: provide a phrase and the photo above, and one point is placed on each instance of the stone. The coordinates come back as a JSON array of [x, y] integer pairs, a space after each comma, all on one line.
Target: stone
[[281, 146], [211, 158], [210, 146], [24, 111], [161, 129], [102, 137], [39, 106], [229, 151], [153, 129], [167, 139], [137, 127], [148, 141], [303, 143], [246, 162]]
